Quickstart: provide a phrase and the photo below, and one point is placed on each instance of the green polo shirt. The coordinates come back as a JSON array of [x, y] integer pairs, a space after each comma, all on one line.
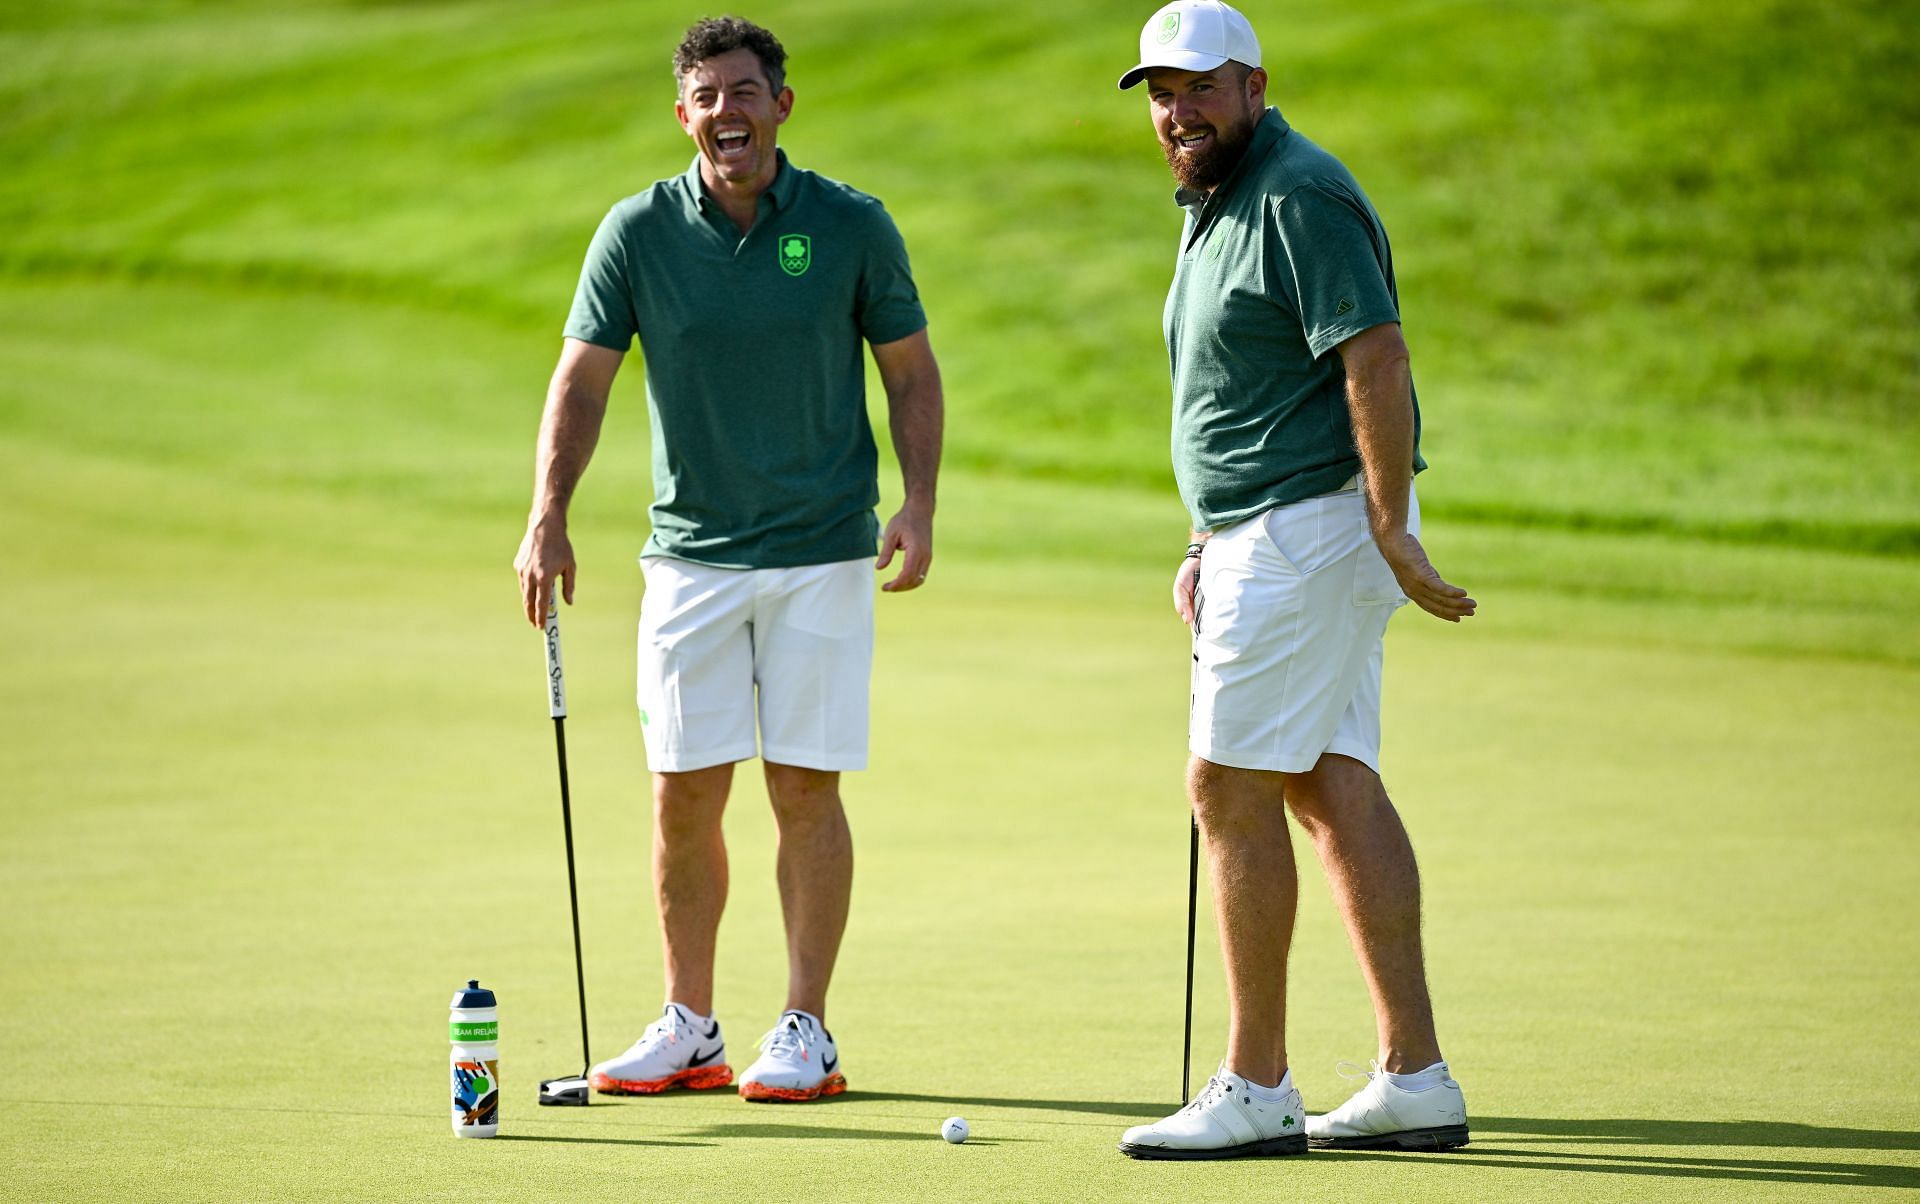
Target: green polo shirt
[[762, 453], [1285, 260]]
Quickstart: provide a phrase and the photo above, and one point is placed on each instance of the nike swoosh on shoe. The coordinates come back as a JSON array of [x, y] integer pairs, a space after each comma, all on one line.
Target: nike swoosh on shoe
[[703, 1059]]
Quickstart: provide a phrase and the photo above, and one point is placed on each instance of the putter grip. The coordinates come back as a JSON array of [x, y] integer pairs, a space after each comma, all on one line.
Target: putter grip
[[556, 679]]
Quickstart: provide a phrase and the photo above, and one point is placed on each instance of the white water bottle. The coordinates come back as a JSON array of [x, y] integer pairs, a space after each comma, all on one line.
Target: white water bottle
[[474, 1028]]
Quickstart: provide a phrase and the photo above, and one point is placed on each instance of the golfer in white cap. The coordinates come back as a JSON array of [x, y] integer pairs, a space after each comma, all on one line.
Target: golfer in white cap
[[1296, 439]]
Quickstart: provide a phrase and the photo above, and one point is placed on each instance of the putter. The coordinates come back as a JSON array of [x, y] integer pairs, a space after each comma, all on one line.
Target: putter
[[1193, 891], [1193, 888], [572, 1090]]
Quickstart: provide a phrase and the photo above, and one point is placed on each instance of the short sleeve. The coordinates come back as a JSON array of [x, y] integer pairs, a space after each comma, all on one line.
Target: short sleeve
[[1334, 265], [888, 306], [603, 303]]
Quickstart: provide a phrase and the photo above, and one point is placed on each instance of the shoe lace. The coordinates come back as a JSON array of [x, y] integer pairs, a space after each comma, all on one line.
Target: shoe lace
[[1216, 1087], [1353, 1070], [664, 1030], [787, 1040]]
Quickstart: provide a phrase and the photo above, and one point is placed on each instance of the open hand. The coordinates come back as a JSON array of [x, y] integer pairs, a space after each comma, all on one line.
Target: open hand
[[1421, 582]]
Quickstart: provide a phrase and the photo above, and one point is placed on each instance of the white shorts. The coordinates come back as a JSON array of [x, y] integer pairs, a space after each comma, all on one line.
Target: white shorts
[[711, 639], [1286, 654]]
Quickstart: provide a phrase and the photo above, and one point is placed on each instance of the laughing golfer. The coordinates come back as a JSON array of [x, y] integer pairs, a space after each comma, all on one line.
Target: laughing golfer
[[1295, 442], [751, 285]]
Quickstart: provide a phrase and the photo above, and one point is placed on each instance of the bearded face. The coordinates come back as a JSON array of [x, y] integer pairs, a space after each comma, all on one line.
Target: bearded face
[[1205, 120]]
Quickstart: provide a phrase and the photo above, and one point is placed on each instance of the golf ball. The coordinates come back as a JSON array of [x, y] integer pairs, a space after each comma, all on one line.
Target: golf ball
[[955, 1130]]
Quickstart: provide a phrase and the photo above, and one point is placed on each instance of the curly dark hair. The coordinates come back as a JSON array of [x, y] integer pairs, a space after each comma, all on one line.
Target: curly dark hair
[[714, 36]]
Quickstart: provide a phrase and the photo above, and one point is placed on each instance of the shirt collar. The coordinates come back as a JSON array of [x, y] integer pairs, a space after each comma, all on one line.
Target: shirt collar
[[786, 182]]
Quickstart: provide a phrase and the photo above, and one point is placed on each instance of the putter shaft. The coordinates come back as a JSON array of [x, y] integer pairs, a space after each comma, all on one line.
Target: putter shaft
[[1193, 890], [573, 893]]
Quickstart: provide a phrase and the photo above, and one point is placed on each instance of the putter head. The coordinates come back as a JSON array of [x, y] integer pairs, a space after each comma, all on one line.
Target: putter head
[[568, 1092]]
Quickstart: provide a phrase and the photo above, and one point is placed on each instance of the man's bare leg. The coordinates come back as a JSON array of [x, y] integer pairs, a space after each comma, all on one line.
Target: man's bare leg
[[815, 870], [690, 877], [1369, 864], [1255, 889]]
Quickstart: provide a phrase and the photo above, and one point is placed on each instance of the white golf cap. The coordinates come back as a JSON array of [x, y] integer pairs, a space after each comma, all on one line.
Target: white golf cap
[[1194, 35]]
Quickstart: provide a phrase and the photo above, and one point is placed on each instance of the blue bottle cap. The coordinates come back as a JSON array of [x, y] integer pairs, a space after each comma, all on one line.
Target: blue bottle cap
[[473, 995]]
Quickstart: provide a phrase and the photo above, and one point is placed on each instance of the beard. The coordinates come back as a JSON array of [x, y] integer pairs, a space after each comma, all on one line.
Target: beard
[[1204, 172]]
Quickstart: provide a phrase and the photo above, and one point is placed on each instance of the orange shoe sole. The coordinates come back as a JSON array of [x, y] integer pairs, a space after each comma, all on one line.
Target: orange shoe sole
[[760, 1093], [699, 1078]]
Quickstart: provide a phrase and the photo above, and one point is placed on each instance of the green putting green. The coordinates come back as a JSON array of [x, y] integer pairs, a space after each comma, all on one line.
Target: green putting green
[[279, 296]]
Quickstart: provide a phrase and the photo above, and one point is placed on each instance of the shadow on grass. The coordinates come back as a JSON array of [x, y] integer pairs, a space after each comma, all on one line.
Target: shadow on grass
[[595, 1140], [1099, 1107], [1495, 1135], [1768, 1134]]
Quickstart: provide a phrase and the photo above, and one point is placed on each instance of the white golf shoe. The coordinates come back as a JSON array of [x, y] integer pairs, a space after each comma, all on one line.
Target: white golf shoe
[[1381, 1115], [677, 1050], [798, 1062], [1225, 1120]]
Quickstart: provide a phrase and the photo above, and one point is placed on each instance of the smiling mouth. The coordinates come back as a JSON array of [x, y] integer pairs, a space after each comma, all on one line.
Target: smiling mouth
[[731, 144], [1191, 141]]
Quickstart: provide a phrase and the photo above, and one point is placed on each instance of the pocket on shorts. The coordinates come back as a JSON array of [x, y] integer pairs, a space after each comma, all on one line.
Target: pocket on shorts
[[834, 600], [663, 580], [1373, 581], [1297, 533]]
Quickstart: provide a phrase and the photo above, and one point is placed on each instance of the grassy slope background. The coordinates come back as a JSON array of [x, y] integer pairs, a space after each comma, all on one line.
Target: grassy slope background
[[278, 294], [1676, 243]]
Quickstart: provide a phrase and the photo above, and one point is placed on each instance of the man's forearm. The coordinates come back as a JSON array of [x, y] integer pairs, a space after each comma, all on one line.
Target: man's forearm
[[569, 431], [916, 414], [1380, 402]]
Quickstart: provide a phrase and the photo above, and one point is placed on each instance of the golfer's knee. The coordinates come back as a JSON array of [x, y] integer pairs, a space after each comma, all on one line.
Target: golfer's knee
[[1208, 778], [803, 796], [1335, 792], [1224, 797], [687, 804], [1312, 809]]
